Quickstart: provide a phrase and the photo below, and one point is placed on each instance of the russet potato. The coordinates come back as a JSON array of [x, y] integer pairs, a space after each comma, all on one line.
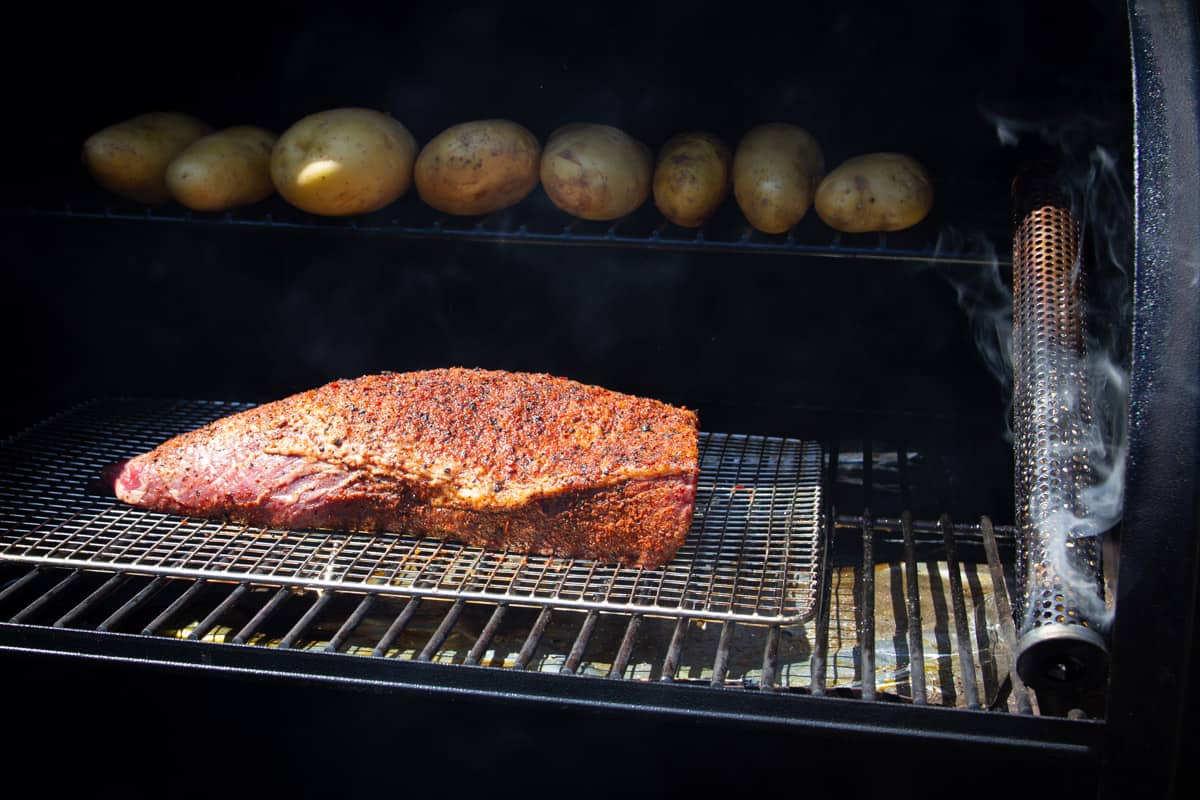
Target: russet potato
[[130, 158], [478, 167], [596, 172], [223, 170], [875, 192], [775, 171], [343, 161], [691, 179]]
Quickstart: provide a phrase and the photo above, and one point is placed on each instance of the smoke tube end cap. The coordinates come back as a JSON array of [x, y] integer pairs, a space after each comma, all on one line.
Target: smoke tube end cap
[[1052, 657]]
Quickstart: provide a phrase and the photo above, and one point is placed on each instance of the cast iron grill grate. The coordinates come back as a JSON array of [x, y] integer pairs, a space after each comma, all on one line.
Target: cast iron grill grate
[[752, 555]]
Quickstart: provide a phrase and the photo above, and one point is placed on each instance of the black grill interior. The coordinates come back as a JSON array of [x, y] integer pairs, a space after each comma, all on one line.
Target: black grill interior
[[861, 343]]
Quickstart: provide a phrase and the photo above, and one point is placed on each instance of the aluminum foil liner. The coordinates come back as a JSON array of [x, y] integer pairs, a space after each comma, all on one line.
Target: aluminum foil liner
[[1058, 568]]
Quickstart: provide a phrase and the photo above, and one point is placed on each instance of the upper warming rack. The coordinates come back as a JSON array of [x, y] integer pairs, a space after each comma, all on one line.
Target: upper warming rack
[[751, 556], [535, 221]]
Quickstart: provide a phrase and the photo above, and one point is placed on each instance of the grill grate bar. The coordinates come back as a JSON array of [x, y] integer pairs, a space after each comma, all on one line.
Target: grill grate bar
[[258, 619], [533, 639], [443, 630], [99, 593], [961, 631], [868, 473], [962, 532], [1008, 629], [617, 670], [40, 602], [20, 583], [352, 622], [485, 636], [820, 652], [145, 593], [575, 657], [866, 609], [302, 624], [912, 609], [397, 627], [174, 607], [671, 662], [209, 622], [751, 555], [904, 478], [721, 662], [770, 663]]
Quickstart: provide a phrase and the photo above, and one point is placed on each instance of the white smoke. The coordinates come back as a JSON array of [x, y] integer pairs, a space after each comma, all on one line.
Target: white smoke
[[986, 299]]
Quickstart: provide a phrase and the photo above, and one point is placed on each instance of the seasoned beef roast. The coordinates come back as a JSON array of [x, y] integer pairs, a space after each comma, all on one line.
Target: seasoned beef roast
[[496, 459]]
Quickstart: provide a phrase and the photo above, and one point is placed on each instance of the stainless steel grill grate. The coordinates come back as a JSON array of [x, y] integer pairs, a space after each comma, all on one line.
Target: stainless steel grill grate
[[751, 556], [906, 612]]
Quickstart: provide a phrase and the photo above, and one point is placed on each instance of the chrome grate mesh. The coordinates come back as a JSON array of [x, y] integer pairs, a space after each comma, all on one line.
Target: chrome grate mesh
[[751, 556]]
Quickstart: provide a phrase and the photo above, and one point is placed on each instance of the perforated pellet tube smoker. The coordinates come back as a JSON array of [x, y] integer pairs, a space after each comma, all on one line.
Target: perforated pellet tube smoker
[[1060, 653]]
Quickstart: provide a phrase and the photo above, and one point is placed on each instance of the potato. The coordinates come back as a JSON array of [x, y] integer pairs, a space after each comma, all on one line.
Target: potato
[[343, 161], [130, 158], [478, 167], [596, 172], [691, 179], [223, 170], [775, 170], [875, 192]]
